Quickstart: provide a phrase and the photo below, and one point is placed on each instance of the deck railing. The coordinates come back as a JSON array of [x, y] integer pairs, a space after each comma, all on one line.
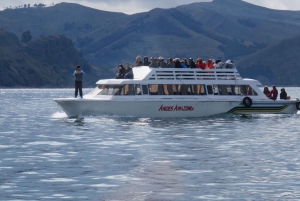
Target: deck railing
[[193, 74]]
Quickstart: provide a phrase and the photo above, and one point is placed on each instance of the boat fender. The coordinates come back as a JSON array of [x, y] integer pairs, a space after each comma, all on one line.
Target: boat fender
[[247, 102], [298, 105]]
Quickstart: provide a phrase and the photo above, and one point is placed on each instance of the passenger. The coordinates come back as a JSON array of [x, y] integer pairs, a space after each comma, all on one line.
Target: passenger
[[78, 73], [177, 63], [200, 64], [183, 65], [283, 94], [170, 63], [186, 63], [192, 63], [121, 72], [209, 64], [153, 63], [128, 72], [267, 92], [274, 93], [162, 63], [229, 64], [219, 64], [146, 61], [249, 91], [138, 61]]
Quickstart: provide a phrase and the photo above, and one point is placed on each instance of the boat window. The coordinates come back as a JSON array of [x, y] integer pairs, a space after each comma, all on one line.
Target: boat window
[[212, 90], [145, 89], [176, 89], [155, 89], [228, 89], [250, 91], [198, 89], [138, 89], [110, 89], [239, 90]]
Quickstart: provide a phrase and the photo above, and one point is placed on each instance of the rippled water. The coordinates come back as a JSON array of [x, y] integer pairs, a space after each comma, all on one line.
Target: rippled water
[[46, 156]]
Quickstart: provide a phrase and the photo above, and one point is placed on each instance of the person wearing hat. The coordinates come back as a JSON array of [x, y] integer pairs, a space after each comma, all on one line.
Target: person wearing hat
[[138, 61], [162, 63], [78, 73], [274, 93], [153, 63]]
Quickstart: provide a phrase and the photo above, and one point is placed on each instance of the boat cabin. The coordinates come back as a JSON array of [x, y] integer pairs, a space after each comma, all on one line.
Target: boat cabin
[[173, 81]]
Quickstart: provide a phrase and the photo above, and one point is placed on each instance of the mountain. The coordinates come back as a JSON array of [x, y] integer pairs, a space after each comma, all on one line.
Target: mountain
[[221, 29], [47, 61], [277, 64]]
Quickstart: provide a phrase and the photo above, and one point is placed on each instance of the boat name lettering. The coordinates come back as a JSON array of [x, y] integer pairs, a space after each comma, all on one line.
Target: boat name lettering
[[176, 108]]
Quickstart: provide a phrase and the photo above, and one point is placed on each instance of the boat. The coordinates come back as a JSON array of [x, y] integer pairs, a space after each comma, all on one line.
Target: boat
[[177, 92]]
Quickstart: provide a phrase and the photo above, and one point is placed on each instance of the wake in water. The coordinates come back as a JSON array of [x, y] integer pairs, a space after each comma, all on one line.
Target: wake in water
[[59, 115]]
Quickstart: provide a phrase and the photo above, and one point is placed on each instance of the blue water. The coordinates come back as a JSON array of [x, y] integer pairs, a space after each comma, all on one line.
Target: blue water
[[46, 156]]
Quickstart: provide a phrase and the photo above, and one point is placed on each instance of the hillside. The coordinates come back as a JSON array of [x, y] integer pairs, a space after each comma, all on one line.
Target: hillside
[[48, 61], [277, 64], [221, 29]]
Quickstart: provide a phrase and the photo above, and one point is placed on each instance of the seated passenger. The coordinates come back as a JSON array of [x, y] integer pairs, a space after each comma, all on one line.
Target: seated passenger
[[146, 61], [274, 93], [200, 64], [170, 63], [162, 63], [186, 63], [192, 63], [210, 64], [177, 63], [219, 64], [283, 94], [183, 65], [229, 64], [267, 92], [153, 63], [121, 72], [128, 72], [138, 61], [249, 91]]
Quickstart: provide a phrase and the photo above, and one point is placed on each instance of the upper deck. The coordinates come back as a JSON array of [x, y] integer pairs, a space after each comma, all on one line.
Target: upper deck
[[147, 73]]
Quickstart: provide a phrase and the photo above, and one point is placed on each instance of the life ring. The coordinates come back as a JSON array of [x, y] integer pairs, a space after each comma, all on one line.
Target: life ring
[[298, 105], [247, 102]]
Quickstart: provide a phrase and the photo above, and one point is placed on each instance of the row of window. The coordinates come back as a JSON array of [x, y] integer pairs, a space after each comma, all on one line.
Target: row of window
[[176, 89]]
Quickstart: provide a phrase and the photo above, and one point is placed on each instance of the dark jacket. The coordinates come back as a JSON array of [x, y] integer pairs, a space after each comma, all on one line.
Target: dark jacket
[[192, 64], [78, 75], [283, 95], [178, 64]]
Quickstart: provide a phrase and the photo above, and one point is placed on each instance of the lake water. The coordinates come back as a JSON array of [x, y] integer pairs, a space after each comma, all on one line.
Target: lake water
[[46, 156]]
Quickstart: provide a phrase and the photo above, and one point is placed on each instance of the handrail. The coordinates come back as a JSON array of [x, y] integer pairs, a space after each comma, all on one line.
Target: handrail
[[192, 74]]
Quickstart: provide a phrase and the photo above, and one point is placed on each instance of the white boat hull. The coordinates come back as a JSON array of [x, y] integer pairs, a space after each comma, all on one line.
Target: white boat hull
[[164, 108]]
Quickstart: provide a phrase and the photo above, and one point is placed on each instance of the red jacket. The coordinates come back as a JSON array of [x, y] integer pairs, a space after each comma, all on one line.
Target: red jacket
[[274, 94], [200, 64], [210, 64]]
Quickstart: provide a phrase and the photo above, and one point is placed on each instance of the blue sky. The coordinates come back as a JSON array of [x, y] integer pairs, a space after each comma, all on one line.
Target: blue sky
[[136, 6]]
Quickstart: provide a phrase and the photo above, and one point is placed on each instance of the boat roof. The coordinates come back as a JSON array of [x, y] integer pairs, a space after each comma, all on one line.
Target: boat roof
[[209, 76]]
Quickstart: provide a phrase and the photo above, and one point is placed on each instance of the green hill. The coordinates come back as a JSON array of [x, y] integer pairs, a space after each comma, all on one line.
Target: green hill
[[221, 29], [277, 64], [48, 61]]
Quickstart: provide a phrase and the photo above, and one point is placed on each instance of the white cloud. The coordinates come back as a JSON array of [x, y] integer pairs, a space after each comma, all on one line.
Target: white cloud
[[134, 6]]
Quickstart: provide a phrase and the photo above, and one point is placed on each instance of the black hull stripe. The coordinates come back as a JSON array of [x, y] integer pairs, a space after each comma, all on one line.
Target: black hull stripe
[[257, 109]]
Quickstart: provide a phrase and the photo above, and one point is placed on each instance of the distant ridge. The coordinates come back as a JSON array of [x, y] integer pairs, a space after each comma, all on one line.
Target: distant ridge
[[221, 29], [278, 64], [48, 61]]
